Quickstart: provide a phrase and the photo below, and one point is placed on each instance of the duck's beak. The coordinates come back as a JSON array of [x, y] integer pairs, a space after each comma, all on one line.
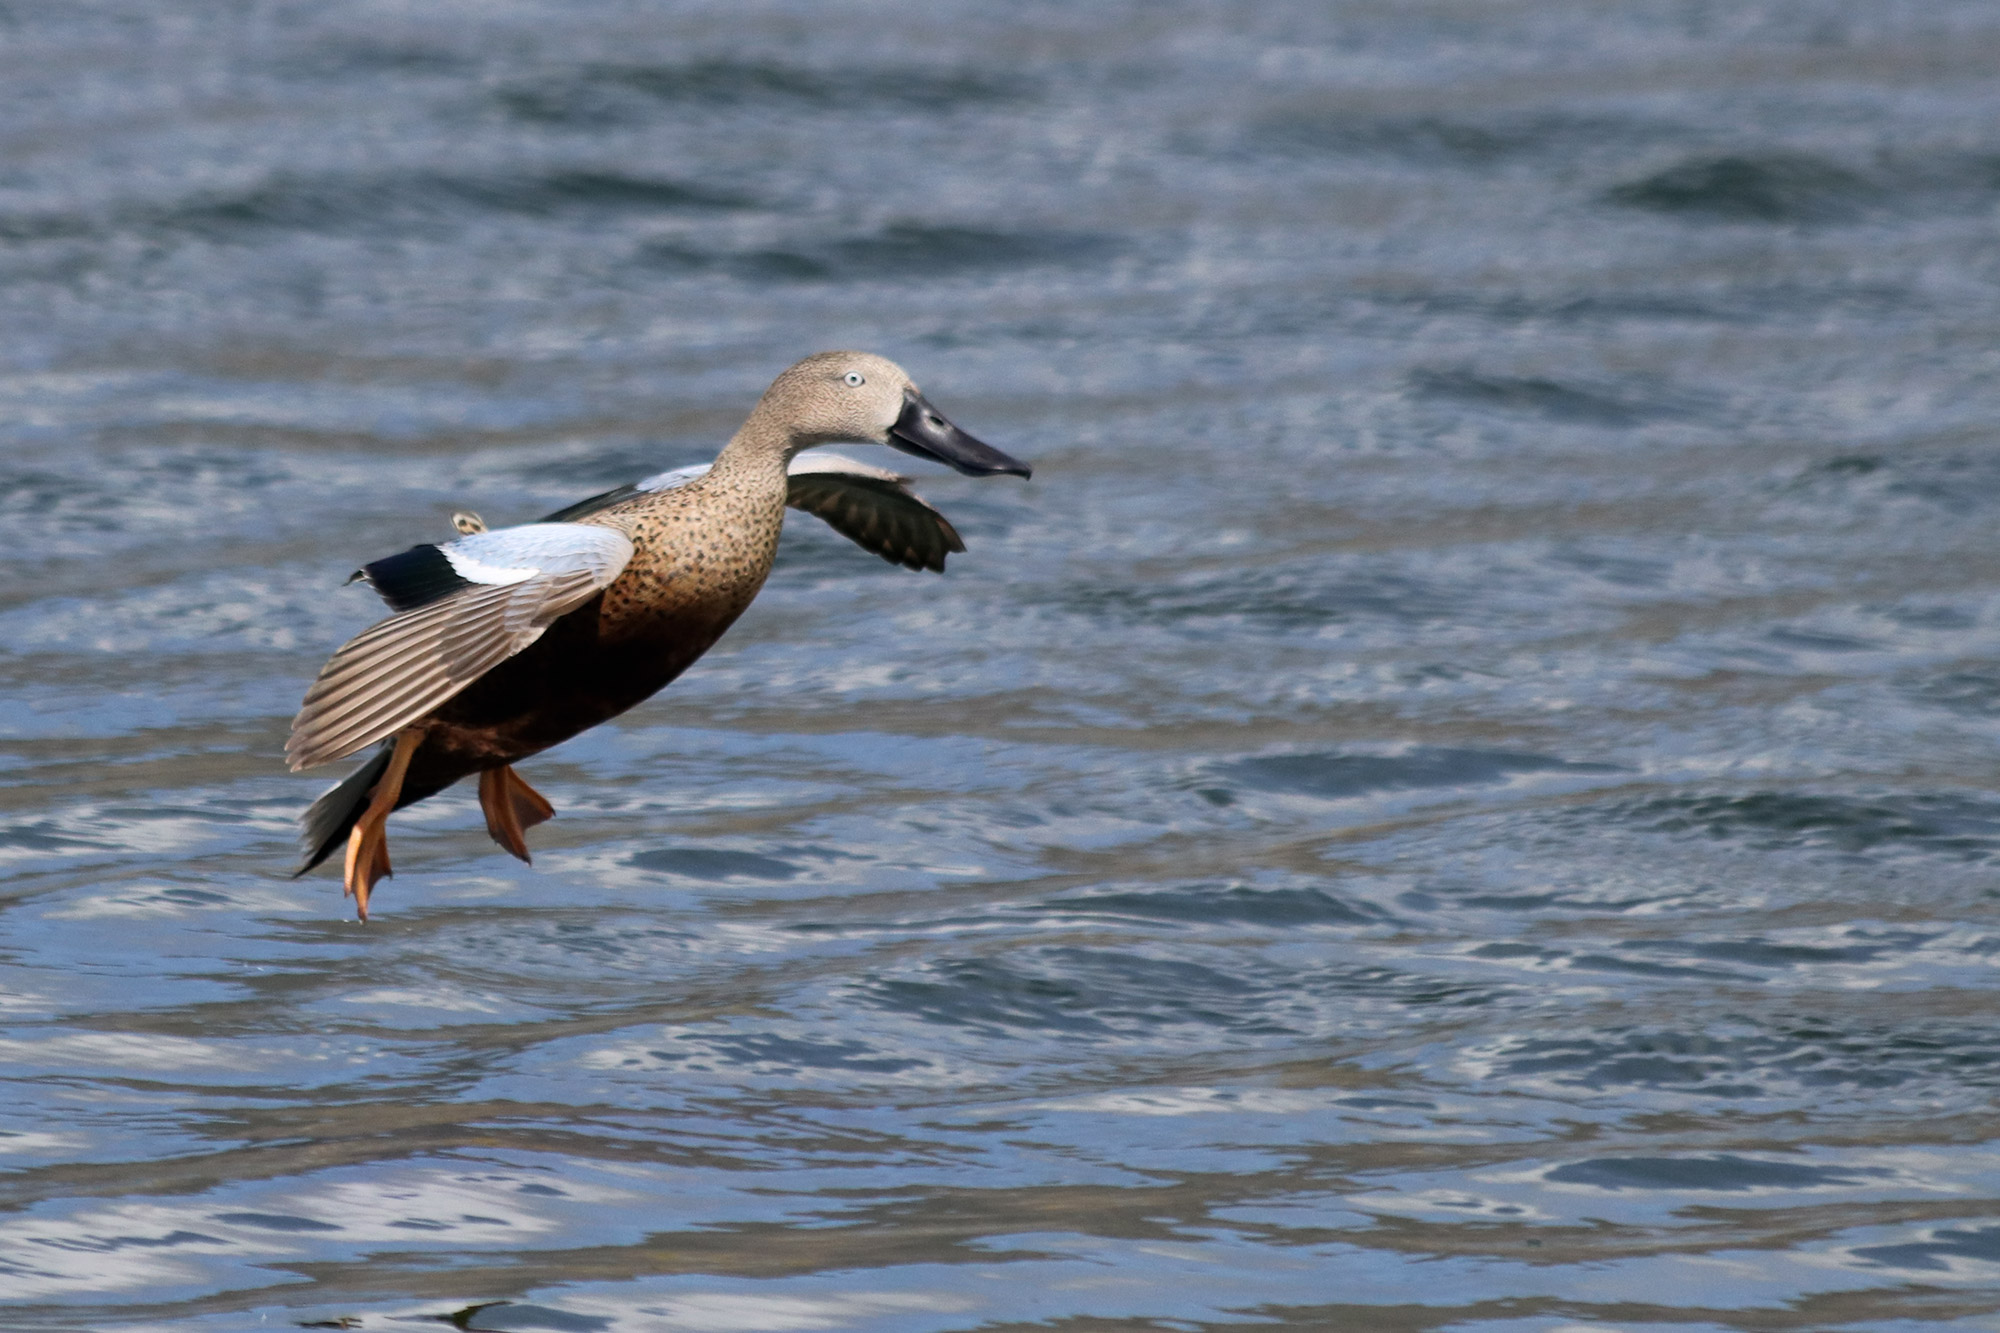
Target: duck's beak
[[922, 430]]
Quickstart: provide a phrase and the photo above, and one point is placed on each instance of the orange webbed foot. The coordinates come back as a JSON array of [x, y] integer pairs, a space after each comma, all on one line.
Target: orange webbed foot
[[368, 845], [512, 807]]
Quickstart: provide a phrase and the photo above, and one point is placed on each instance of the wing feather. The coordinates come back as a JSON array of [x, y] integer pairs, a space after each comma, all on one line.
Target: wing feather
[[873, 508], [392, 681], [518, 582]]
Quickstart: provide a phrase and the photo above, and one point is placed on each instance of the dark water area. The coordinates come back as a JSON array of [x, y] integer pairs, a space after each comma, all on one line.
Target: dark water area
[[1462, 796]]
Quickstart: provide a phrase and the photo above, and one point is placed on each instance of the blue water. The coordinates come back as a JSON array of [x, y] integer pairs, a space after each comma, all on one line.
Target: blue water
[[1462, 796]]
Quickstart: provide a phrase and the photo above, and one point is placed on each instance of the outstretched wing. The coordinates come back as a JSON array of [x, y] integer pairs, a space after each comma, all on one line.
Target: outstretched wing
[[462, 609], [870, 506], [873, 508]]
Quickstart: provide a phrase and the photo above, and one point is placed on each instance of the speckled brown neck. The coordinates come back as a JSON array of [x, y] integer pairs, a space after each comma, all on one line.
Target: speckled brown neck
[[701, 551]]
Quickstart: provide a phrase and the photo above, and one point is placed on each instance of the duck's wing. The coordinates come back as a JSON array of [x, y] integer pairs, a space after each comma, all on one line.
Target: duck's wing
[[873, 508], [462, 609], [870, 506]]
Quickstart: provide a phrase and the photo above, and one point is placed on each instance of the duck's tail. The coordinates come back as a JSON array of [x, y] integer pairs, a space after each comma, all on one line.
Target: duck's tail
[[327, 823]]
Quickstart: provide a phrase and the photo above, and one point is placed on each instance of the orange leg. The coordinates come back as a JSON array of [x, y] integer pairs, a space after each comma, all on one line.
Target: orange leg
[[368, 844], [511, 807]]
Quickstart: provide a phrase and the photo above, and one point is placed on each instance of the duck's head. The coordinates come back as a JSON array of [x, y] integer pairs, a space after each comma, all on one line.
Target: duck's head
[[856, 397]]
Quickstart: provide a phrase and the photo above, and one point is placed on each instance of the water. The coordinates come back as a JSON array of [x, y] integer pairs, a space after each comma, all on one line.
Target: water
[[1462, 796]]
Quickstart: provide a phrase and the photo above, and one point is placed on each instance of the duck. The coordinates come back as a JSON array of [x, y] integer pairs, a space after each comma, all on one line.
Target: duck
[[506, 641]]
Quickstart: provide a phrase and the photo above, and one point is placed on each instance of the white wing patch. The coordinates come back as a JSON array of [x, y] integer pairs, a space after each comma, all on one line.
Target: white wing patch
[[818, 461], [515, 555], [474, 570], [667, 481]]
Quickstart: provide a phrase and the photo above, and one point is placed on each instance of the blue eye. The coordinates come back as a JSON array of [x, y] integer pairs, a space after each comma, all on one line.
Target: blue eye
[[853, 379]]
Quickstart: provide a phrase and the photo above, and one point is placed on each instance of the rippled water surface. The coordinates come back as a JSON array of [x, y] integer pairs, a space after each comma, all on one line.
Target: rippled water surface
[[1463, 795]]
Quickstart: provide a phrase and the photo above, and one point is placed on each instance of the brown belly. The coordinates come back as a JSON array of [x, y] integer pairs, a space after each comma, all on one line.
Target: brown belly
[[579, 673]]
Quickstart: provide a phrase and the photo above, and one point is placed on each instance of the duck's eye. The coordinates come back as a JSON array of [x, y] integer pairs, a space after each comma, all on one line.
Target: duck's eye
[[853, 379]]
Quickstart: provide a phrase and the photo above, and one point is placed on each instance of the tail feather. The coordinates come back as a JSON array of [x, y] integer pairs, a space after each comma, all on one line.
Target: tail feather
[[326, 824]]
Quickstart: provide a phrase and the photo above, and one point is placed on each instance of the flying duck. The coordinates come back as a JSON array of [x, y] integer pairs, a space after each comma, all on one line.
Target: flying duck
[[507, 641]]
